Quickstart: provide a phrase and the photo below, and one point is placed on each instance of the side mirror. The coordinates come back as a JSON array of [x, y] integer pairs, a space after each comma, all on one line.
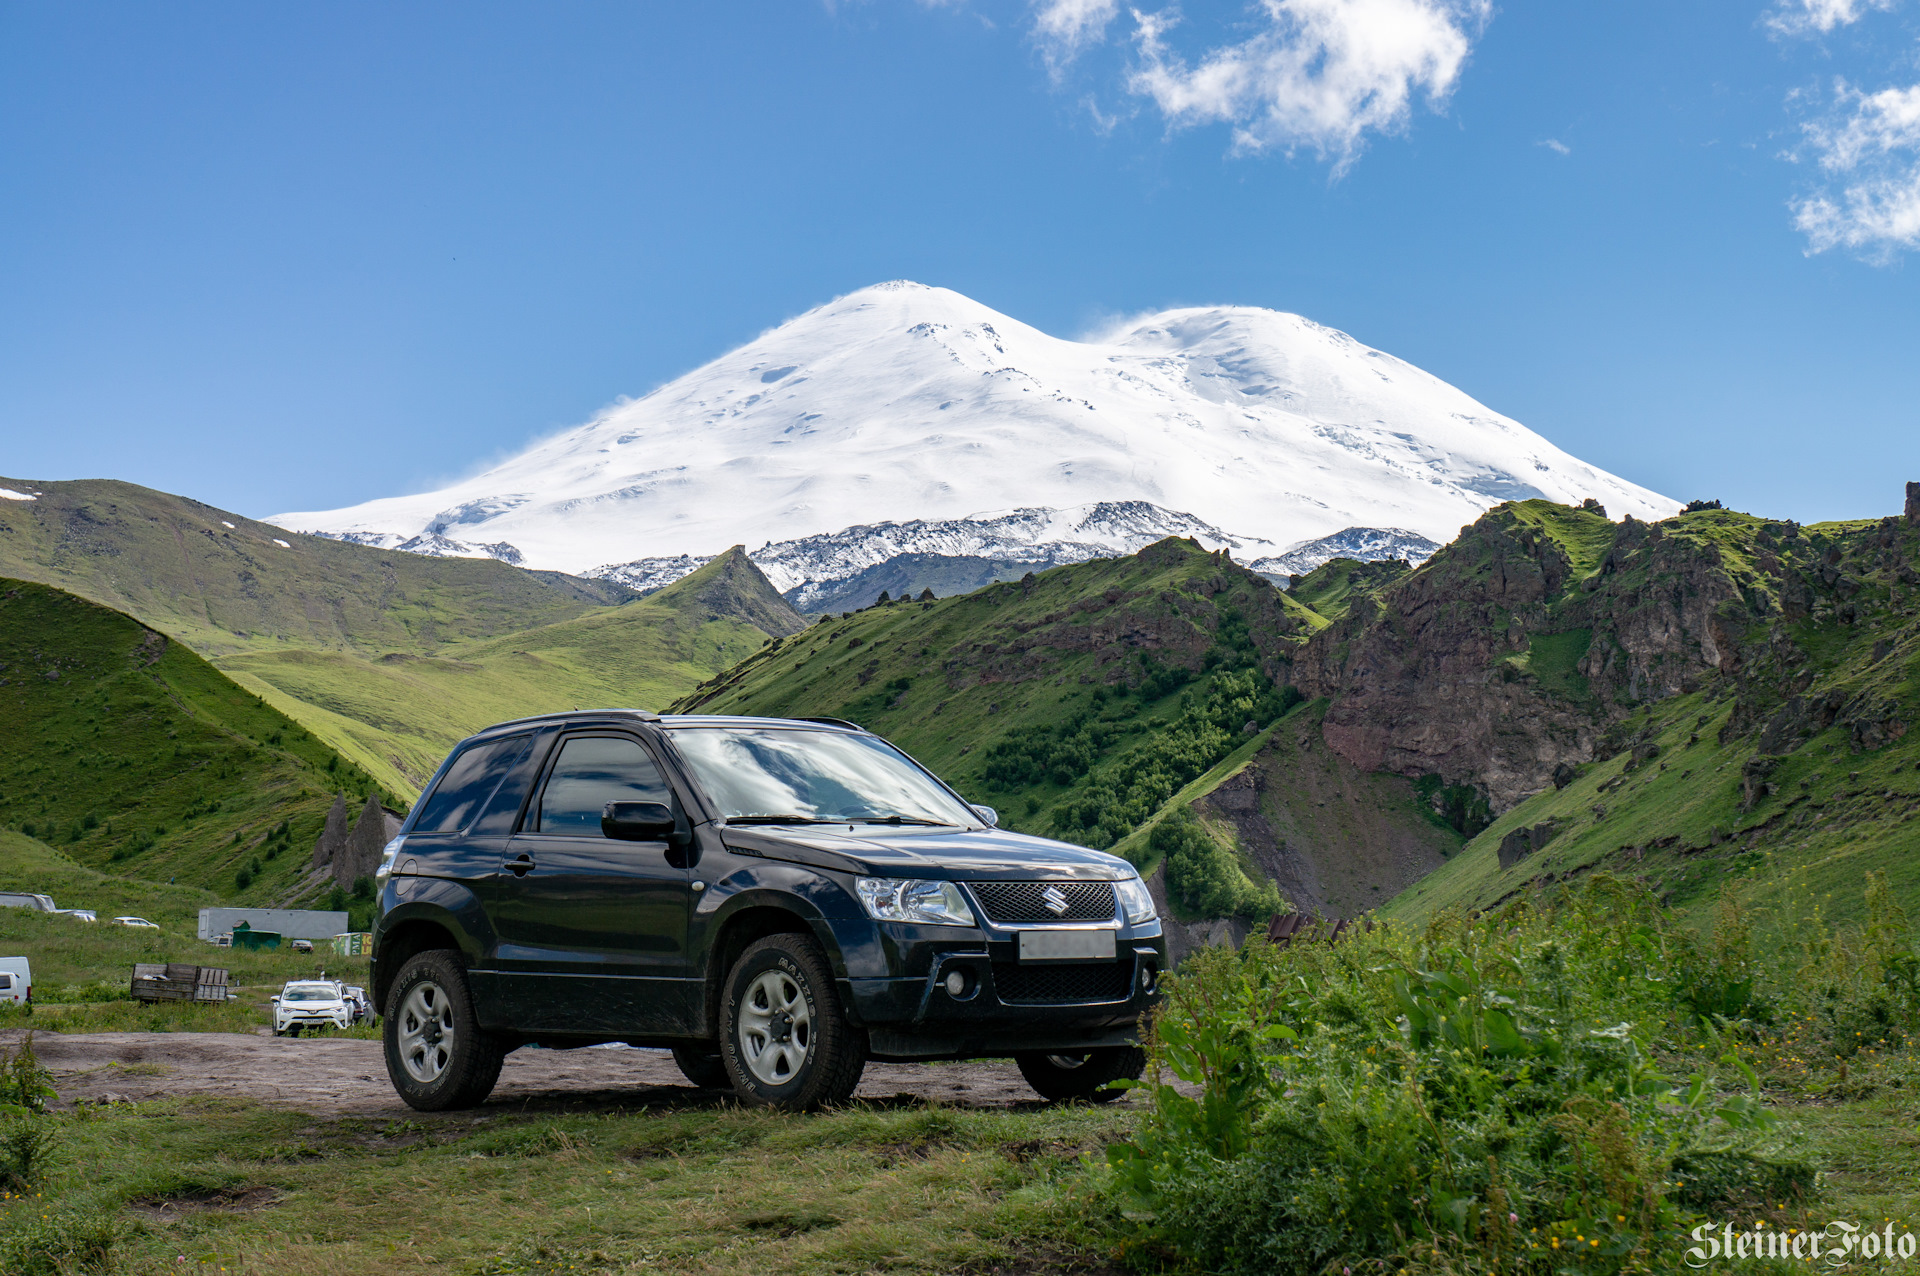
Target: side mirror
[[276, 1001], [988, 816], [637, 821]]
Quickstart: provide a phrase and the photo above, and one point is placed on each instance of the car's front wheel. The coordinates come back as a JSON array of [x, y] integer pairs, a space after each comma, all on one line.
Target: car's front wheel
[[786, 1041], [1087, 1075], [438, 1056]]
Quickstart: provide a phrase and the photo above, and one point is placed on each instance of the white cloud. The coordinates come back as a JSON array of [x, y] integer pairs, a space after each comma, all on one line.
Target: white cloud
[[1870, 150], [1803, 17], [1062, 28], [1316, 73], [1557, 146]]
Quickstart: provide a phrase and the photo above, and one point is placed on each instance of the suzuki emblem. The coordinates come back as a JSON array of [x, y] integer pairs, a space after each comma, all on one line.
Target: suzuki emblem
[[1055, 899]]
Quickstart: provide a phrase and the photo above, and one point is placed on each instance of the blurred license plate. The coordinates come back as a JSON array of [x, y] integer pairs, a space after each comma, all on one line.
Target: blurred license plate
[[1066, 945]]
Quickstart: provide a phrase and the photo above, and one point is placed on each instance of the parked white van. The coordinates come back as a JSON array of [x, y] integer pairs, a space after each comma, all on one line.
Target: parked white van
[[16, 981]]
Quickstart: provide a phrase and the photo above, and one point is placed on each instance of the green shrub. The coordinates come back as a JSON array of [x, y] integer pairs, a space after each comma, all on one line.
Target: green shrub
[[58, 1244], [25, 1084], [1487, 1088], [1145, 776], [27, 1144], [1203, 877]]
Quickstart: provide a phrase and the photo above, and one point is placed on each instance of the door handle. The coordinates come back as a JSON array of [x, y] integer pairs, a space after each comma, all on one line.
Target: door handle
[[520, 867]]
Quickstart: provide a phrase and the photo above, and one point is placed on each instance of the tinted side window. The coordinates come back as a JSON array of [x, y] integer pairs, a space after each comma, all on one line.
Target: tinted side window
[[467, 784], [519, 772], [6, 983], [592, 771]]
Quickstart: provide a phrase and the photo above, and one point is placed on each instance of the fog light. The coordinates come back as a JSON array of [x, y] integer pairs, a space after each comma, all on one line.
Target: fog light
[[956, 982], [1149, 977]]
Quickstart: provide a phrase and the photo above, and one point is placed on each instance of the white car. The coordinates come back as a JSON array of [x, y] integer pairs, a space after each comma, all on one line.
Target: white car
[[139, 923], [360, 1003], [310, 1003], [16, 981]]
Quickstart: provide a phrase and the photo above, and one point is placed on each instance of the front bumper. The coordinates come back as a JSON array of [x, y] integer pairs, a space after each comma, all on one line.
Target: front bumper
[[1003, 1005]]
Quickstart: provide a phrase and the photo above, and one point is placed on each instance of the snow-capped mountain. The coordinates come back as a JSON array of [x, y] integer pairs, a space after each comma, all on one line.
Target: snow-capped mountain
[[907, 407], [1367, 544], [810, 569]]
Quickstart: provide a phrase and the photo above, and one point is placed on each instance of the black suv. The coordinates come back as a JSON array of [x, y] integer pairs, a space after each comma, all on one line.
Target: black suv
[[776, 900]]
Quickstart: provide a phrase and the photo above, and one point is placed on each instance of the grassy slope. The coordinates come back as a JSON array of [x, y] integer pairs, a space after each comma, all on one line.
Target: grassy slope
[[172, 563], [1329, 589], [185, 774], [397, 714], [980, 666]]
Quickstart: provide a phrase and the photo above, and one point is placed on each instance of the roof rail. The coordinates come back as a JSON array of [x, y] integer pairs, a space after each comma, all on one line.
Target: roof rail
[[833, 722]]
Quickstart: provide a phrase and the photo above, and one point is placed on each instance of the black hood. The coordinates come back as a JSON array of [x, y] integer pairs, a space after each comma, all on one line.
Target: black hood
[[965, 855]]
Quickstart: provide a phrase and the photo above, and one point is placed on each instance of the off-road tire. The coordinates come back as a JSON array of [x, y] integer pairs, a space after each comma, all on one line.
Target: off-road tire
[[1090, 1081], [705, 1068], [835, 1051], [471, 1064]]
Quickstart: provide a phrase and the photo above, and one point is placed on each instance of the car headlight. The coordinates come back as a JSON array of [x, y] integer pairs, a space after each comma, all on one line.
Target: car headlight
[[892, 899], [388, 854], [1136, 900]]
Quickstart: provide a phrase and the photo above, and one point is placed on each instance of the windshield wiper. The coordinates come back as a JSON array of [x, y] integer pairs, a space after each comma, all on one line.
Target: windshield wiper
[[900, 819], [782, 819]]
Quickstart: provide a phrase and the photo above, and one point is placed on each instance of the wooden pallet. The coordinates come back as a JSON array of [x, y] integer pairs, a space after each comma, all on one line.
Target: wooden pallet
[[178, 981]]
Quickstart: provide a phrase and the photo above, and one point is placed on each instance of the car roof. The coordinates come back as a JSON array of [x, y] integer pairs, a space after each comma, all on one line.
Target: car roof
[[589, 717]]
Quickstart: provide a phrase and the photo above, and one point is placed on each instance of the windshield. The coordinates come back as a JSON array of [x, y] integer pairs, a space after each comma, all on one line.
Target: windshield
[[791, 773], [310, 994]]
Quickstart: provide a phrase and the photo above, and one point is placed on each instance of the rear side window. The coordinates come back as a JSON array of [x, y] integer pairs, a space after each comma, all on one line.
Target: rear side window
[[592, 771], [468, 783], [6, 983]]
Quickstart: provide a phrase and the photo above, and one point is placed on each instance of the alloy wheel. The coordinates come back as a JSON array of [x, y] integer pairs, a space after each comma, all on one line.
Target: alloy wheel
[[776, 1028], [426, 1032]]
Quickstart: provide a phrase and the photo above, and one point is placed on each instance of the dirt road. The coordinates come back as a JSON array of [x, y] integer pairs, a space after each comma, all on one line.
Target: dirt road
[[346, 1077]]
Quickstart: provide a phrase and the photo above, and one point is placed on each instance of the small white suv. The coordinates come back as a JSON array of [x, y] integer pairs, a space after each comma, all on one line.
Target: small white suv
[[310, 1003]]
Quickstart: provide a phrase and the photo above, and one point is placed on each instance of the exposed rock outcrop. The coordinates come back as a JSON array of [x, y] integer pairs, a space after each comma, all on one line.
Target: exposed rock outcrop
[[360, 857], [1502, 663], [346, 855], [1521, 843], [333, 836]]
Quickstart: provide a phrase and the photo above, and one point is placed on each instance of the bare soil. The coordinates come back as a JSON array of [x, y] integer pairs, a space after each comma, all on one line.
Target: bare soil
[[342, 1076]]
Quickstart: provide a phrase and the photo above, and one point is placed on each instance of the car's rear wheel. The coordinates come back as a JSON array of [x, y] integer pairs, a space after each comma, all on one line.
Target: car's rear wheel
[[1086, 1075], [438, 1057], [705, 1068], [786, 1041]]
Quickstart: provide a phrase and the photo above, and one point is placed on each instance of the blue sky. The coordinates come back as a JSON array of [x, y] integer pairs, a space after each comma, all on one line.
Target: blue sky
[[295, 257]]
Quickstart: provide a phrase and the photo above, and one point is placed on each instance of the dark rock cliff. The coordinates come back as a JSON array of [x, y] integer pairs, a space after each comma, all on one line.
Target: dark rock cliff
[[1517, 649]]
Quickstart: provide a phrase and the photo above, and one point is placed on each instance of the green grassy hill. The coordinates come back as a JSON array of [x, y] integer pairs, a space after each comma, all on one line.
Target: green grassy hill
[[1329, 589], [132, 754], [397, 714], [1076, 700], [222, 583], [387, 657]]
